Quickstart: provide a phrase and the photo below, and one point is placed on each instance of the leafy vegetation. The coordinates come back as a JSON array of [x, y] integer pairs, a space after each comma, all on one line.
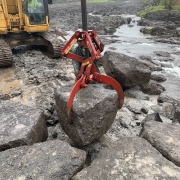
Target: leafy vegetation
[[176, 8], [161, 5], [150, 9], [168, 4]]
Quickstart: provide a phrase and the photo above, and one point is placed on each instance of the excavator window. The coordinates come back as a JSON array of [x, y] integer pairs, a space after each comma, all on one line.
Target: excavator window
[[35, 6], [36, 11]]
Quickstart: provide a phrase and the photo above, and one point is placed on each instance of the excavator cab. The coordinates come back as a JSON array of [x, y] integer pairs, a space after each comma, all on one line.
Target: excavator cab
[[24, 15], [37, 11]]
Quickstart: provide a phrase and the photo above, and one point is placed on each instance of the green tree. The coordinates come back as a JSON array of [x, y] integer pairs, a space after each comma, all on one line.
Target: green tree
[[168, 4]]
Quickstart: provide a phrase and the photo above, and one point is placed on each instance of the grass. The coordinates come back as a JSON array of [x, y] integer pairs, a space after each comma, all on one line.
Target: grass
[[156, 8], [150, 9], [176, 8]]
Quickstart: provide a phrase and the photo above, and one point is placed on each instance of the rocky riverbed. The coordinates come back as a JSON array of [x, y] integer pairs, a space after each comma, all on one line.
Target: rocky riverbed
[[142, 142]]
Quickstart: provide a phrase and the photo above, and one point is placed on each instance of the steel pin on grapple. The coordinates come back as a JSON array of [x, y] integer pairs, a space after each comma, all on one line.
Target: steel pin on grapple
[[88, 71]]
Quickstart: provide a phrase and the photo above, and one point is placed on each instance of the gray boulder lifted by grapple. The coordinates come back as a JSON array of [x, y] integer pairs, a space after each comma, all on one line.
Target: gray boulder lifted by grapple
[[93, 112]]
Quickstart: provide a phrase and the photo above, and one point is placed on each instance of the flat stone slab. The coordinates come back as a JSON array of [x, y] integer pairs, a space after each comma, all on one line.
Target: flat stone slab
[[20, 125], [50, 160], [93, 112], [130, 159], [165, 137]]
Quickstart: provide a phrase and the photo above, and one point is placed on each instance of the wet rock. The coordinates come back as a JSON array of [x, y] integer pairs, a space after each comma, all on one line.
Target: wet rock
[[152, 117], [135, 92], [134, 110], [128, 71], [168, 110], [129, 19], [158, 78], [168, 40], [109, 30], [94, 110], [163, 15], [144, 22], [148, 62], [125, 159], [145, 30], [156, 108], [164, 98], [165, 138], [130, 25], [171, 26], [49, 160], [161, 53], [144, 110], [106, 23], [20, 125], [156, 31], [152, 88], [125, 124], [176, 117]]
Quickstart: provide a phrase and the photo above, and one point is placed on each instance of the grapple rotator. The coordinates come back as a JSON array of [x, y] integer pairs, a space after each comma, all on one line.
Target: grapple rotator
[[88, 72]]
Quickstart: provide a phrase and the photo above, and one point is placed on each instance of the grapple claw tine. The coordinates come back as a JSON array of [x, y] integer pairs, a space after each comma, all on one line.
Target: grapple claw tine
[[75, 89], [109, 80]]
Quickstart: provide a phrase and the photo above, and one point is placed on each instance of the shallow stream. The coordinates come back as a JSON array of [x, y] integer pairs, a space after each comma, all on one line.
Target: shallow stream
[[134, 43]]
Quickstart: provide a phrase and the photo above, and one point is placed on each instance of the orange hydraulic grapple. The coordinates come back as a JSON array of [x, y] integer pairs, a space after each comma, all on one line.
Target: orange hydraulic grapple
[[88, 71]]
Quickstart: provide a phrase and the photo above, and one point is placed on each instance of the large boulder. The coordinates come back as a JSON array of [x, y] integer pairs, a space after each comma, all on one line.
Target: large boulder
[[165, 138], [129, 159], [156, 31], [94, 110], [20, 124], [42, 161], [128, 71]]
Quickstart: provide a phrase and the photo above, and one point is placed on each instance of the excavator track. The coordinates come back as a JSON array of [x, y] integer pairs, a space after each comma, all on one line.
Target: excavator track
[[6, 57], [54, 47], [51, 46]]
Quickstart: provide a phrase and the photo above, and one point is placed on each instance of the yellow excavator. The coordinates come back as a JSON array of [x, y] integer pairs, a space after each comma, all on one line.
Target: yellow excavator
[[25, 22]]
